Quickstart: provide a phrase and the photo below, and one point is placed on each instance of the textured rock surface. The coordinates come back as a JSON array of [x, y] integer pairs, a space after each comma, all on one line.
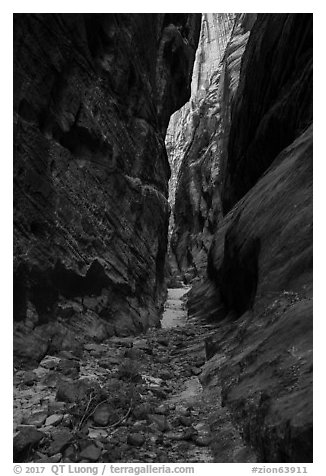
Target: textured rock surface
[[93, 96], [262, 260], [259, 274], [90, 235], [163, 417], [215, 32], [200, 144], [278, 57]]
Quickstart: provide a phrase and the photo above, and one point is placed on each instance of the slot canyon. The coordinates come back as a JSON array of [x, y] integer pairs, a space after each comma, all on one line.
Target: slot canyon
[[162, 288]]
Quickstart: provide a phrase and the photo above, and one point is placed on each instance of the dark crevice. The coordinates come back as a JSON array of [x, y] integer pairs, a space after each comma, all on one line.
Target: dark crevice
[[239, 274], [44, 288], [80, 142]]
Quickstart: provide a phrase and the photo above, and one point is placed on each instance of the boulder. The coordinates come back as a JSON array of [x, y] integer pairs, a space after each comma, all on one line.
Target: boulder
[[24, 440], [54, 420], [72, 391], [102, 414], [136, 439], [36, 418], [61, 439], [91, 453]]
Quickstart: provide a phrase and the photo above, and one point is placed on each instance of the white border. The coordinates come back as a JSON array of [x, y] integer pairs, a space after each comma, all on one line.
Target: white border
[[318, 9]]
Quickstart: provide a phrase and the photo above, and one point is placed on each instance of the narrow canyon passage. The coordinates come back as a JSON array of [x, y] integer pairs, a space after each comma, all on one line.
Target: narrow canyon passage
[[167, 417], [162, 282], [174, 309]]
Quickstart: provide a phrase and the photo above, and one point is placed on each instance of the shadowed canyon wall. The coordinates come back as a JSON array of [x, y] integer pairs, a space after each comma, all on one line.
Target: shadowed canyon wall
[[92, 100], [243, 223]]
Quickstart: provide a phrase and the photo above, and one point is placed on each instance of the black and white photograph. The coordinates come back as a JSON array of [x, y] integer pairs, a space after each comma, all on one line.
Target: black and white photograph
[[162, 240]]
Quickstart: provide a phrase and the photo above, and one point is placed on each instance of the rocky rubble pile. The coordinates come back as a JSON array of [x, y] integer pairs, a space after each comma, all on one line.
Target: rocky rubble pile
[[128, 400], [108, 404]]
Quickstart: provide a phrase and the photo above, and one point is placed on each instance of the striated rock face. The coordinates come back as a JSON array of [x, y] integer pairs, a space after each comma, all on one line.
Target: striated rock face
[[258, 286], [215, 33], [264, 125], [199, 139], [93, 97], [260, 265]]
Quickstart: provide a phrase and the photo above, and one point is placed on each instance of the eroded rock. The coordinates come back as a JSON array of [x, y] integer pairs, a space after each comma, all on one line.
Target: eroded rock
[[61, 439], [102, 415], [136, 439], [26, 439], [36, 418], [91, 453], [91, 172]]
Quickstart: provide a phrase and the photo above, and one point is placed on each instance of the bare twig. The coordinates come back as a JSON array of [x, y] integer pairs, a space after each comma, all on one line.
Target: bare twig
[[100, 403], [85, 413]]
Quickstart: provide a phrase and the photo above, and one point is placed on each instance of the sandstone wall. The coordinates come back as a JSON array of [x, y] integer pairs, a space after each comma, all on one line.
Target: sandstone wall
[[258, 286], [266, 119], [92, 100], [199, 145]]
